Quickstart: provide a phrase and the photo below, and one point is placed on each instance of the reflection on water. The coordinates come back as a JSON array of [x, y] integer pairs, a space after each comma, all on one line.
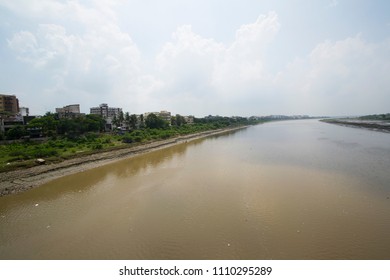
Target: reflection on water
[[283, 190]]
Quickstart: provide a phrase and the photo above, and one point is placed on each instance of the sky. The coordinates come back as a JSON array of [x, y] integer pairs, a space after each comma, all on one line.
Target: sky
[[198, 57]]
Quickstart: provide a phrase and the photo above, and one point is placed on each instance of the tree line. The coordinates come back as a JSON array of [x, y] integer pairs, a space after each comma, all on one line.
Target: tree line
[[50, 125]]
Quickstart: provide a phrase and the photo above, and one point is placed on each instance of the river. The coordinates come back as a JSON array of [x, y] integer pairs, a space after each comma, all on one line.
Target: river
[[281, 190]]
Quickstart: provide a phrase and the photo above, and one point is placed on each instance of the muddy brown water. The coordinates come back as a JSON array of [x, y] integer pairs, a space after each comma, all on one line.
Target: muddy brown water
[[281, 190]]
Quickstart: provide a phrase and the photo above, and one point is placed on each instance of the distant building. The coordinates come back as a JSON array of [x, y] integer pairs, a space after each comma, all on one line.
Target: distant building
[[69, 111], [8, 122], [108, 113], [189, 119], [24, 111], [165, 115], [9, 104], [105, 111]]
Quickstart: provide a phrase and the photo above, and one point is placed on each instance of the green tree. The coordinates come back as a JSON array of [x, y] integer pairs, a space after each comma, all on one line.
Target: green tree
[[121, 118], [127, 119], [142, 121], [180, 120], [115, 121], [47, 123], [95, 123], [133, 121], [16, 132], [153, 121]]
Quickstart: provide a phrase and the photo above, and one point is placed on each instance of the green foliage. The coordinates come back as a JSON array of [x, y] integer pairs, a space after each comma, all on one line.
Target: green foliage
[[178, 120], [153, 121], [97, 146], [82, 135], [48, 124], [133, 121], [16, 132]]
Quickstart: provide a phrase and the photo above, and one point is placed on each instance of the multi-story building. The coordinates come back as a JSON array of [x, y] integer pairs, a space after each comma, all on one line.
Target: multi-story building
[[69, 111], [108, 113], [105, 111], [9, 104], [165, 115]]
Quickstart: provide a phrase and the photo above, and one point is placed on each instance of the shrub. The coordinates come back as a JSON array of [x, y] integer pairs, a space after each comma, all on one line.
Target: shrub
[[127, 139], [42, 153], [97, 146]]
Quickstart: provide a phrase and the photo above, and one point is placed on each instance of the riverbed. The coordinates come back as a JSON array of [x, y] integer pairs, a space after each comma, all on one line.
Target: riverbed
[[281, 190]]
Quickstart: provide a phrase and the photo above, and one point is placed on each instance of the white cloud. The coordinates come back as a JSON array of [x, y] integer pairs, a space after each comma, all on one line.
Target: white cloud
[[99, 62], [207, 73], [242, 69], [343, 77]]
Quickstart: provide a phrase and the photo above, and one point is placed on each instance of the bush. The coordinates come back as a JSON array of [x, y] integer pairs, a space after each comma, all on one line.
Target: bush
[[98, 146], [42, 153], [127, 139], [16, 132], [91, 136]]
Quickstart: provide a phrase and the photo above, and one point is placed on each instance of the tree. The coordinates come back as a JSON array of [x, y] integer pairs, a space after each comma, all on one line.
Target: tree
[[133, 121], [16, 132], [153, 121], [180, 120], [127, 119], [121, 118], [115, 121], [95, 123], [48, 124], [142, 123]]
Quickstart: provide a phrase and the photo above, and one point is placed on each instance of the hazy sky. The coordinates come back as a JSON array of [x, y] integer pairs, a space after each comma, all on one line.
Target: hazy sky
[[200, 57]]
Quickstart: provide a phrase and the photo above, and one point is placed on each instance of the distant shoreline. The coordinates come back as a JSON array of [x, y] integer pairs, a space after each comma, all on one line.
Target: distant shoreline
[[380, 126], [25, 179]]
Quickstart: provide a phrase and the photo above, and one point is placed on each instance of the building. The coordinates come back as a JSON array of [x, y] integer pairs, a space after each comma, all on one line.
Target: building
[[8, 122], [9, 104], [165, 115], [108, 113], [69, 111], [105, 111], [24, 111], [189, 119]]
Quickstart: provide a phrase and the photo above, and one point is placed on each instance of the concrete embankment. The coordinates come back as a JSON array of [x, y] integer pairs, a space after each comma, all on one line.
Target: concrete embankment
[[22, 180]]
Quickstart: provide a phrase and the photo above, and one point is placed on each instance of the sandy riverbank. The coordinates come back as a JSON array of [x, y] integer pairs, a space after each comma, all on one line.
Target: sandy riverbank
[[22, 180]]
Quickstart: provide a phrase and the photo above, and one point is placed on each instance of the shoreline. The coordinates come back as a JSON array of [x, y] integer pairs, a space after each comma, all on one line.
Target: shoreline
[[378, 126], [21, 180]]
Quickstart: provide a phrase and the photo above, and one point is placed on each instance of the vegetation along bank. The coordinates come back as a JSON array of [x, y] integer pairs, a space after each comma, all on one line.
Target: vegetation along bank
[[83, 147]]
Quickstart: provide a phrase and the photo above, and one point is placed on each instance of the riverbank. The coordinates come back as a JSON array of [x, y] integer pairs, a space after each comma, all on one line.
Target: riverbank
[[381, 126], [17, 181]]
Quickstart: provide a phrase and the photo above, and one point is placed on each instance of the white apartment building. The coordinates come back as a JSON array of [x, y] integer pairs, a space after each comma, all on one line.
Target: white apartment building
[[108, 113]]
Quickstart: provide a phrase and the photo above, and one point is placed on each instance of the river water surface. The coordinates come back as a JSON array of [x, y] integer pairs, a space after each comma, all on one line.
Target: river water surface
[[281, 190]]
